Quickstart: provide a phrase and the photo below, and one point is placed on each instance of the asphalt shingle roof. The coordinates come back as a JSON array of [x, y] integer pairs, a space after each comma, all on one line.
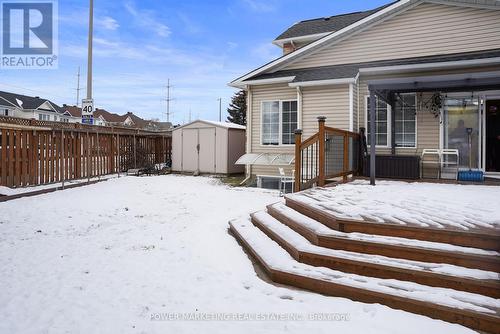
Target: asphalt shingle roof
[[326, 24], [28, 102], [351, 70]]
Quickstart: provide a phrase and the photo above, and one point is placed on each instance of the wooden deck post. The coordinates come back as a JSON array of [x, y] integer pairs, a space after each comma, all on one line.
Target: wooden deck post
[[298, 160], [321, 160]]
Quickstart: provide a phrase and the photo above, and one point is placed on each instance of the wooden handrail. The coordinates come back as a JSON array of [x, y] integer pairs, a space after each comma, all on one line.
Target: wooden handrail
[[342, 132], [309, 141], [314, 169]]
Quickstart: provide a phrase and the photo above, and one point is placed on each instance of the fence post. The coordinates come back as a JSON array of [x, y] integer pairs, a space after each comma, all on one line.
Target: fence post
[[118, 153], [135, 153], [298, 160], [346, 156], [88, 158], [63, 158], [321, 138], [98, 160]]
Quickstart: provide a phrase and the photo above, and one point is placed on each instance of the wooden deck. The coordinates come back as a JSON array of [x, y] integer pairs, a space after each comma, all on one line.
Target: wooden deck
[[383, 251]]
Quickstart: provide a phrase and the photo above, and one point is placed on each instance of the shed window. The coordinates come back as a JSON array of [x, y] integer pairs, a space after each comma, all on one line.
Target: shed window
[[405, 117], [279, 122]]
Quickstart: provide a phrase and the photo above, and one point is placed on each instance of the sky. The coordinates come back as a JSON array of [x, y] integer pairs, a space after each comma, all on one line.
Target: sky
[[140, 44]]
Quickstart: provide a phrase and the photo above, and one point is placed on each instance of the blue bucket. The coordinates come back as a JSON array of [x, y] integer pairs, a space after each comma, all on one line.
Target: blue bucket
[[471, 175]]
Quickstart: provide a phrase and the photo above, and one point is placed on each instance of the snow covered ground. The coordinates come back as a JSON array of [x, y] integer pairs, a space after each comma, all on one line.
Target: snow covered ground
[[109, 257], [455, 206]]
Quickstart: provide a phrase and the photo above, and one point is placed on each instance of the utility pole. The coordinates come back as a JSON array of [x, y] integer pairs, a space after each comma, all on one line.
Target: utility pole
[[88, 103], [220, 109], [78, 89], [91, 33]]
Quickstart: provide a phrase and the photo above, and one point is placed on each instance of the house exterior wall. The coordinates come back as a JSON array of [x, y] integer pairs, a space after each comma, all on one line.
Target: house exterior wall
[[428, 29], [261, 94], [329, 101], [425, 30]]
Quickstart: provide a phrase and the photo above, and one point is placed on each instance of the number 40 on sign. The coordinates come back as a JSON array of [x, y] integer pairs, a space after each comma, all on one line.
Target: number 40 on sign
[[87, 107]]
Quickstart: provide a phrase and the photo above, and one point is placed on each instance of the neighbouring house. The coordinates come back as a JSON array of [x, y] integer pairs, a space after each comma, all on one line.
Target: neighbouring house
[[208, 147], [105, 118], [431, 67], [29, 107]]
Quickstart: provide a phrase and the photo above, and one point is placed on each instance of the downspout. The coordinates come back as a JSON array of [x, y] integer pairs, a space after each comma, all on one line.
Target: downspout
[[248, 132], [299, 107], [351, 107]]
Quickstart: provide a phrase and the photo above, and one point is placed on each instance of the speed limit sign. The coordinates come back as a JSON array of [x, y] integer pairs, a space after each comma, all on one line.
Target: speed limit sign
[[87, 107]]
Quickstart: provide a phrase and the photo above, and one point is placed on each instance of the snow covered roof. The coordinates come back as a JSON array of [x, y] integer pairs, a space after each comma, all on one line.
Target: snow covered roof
[[226, 125]]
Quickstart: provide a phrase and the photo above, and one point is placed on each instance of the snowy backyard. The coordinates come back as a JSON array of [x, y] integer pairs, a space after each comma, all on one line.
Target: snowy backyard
[[123, 255]]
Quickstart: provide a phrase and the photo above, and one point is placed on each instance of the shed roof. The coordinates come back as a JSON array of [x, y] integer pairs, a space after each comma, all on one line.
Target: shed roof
[[226, 125]]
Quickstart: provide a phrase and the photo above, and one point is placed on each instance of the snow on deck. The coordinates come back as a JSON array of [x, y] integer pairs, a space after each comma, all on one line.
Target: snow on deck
[[454, 206], [303, 244], [106, 258]]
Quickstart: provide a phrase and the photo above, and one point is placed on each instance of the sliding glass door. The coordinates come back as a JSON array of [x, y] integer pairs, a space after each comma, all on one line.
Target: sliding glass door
[[461, 128]]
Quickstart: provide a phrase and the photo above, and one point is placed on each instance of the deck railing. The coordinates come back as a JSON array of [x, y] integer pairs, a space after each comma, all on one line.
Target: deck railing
[[330, 153]]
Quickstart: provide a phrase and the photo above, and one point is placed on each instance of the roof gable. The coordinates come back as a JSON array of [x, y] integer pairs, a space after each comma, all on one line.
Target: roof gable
[[426, 29], [383, 14]]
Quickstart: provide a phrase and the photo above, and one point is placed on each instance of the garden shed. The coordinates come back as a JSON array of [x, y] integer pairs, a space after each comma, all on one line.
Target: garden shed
[[208, 147]]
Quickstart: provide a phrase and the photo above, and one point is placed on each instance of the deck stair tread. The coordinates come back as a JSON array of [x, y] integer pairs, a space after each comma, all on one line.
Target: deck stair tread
[[469, 309], [359, 202], [331, 216], [303, 244], [393, 247], [323, 230]]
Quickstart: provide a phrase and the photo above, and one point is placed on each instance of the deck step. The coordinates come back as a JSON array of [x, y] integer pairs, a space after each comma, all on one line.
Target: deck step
[[308, 205], [394, 247], [432, 274], [468, 309]]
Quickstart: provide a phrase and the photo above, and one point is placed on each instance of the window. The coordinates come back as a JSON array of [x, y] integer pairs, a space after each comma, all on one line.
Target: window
[[4, 112], [43, 117], [405, 120], [270, 123], [381, 121], [279, 122]]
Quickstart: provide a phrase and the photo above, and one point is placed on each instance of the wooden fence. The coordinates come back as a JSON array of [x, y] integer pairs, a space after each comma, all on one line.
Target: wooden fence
[[39, 152]]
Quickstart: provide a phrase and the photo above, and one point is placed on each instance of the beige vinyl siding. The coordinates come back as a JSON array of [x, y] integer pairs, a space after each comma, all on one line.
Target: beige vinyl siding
[[428, 29], [261, 94], [329, 101]]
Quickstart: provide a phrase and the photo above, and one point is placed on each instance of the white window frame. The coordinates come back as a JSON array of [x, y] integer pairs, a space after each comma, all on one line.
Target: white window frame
[[389, 118], [416, 125], [389, 128], [280, 133]]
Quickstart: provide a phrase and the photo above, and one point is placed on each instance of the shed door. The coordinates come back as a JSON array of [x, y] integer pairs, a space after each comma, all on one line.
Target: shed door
[[207, 150], [189, 150]]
